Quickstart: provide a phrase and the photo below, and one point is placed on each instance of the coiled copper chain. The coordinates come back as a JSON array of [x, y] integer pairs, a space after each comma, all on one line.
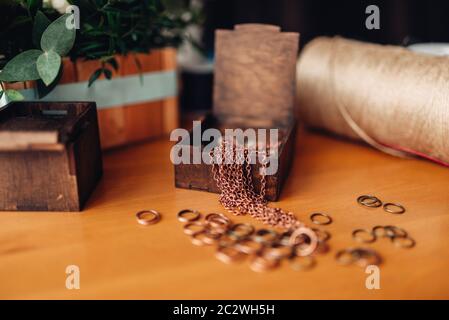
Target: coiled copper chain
[[235, 182]]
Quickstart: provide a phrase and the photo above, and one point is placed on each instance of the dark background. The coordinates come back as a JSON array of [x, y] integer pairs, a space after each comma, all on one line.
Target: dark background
[[402, 21]]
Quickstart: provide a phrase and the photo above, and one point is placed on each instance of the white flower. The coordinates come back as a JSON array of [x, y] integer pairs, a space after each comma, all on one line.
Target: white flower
[[58, 5]]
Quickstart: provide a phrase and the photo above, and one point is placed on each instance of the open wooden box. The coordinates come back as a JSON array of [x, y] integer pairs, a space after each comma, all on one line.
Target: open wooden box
[[50, 156], [254, 86]]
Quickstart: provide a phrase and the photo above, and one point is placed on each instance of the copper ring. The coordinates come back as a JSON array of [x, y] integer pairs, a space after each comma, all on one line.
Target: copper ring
[[284, 238], [406, 243], [182, 213], [308, 248], [387, 208], [345, 257], [229, 254], [373, 202], [322, 235], [261, 264], [302, 263], [246, 247], [366, 257], [226, 241], [377, 235], [156, 216], [356, 237], [265, 236], [313, 217], [189, 231], [202, 238], [396, 232], [361, 256], [241, 230], [277, 251]]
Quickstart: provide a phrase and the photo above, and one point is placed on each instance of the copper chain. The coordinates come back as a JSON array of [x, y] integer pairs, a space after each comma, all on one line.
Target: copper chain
[[235, 182]]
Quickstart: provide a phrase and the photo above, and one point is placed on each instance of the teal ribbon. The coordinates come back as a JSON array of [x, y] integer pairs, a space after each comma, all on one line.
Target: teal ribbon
[[151, 86]]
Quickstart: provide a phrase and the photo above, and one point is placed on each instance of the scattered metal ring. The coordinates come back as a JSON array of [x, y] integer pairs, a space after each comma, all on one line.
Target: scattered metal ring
[[245, 246], [261, 264], [265, 236], [189, 231], [313, 217], [405, 243], [202, 238], [308, 248], [373, 203], [277, 251], [356, 237], [322, 235], [302, 263], [387, 208], [156, 216], [182, 213], [247, 230], [228, 254]]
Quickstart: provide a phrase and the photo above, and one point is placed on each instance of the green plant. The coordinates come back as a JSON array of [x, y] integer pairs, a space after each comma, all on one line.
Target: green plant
[[107, 28], [55, 40]]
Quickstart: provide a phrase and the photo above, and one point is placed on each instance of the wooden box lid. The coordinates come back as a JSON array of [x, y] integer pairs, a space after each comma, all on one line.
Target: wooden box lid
[[40, 125], [254, 79]]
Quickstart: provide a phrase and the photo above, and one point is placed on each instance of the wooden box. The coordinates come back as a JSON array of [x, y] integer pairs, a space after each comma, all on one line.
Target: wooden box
[[254, 86], [138, 103], [50, 155]]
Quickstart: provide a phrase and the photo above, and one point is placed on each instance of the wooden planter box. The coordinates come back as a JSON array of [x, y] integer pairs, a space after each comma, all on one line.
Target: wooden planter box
[[50, 156], [148, 109], [254, 86]]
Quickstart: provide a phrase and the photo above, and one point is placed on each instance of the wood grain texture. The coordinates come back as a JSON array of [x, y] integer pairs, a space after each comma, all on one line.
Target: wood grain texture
[[48, 162], [200, 177], [120, 259], [255, 74]]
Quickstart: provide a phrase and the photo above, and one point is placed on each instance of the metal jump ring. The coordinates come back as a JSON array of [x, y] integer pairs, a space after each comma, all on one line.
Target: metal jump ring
[[310, 247], [156, 216], [373, 203], [406, 242], [394, 205], [313, 217], [356, 237], [302, 263], [182, 213], [189, 231]]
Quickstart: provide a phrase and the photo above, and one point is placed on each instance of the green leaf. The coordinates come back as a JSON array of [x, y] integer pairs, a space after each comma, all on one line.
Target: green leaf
[[107, 73], [43, 90], [34, 5], [41, 22], [48, 65], [1, 94], [14, 95], [95, 76], [22, 67], [58, 37], [113, 62]]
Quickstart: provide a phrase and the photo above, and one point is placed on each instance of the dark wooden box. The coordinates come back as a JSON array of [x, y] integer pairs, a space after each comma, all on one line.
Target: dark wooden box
[[50, 156], [254, 87]]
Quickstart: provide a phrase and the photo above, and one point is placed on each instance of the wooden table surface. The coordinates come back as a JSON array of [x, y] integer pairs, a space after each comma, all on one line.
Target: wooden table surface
[[120, 259]]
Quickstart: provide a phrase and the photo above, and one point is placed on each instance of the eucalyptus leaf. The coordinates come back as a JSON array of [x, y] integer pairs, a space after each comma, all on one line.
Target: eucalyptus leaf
[[14, 95], [41, 22], [22, 67], [97, 73], [58, 37], [48, 65]]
